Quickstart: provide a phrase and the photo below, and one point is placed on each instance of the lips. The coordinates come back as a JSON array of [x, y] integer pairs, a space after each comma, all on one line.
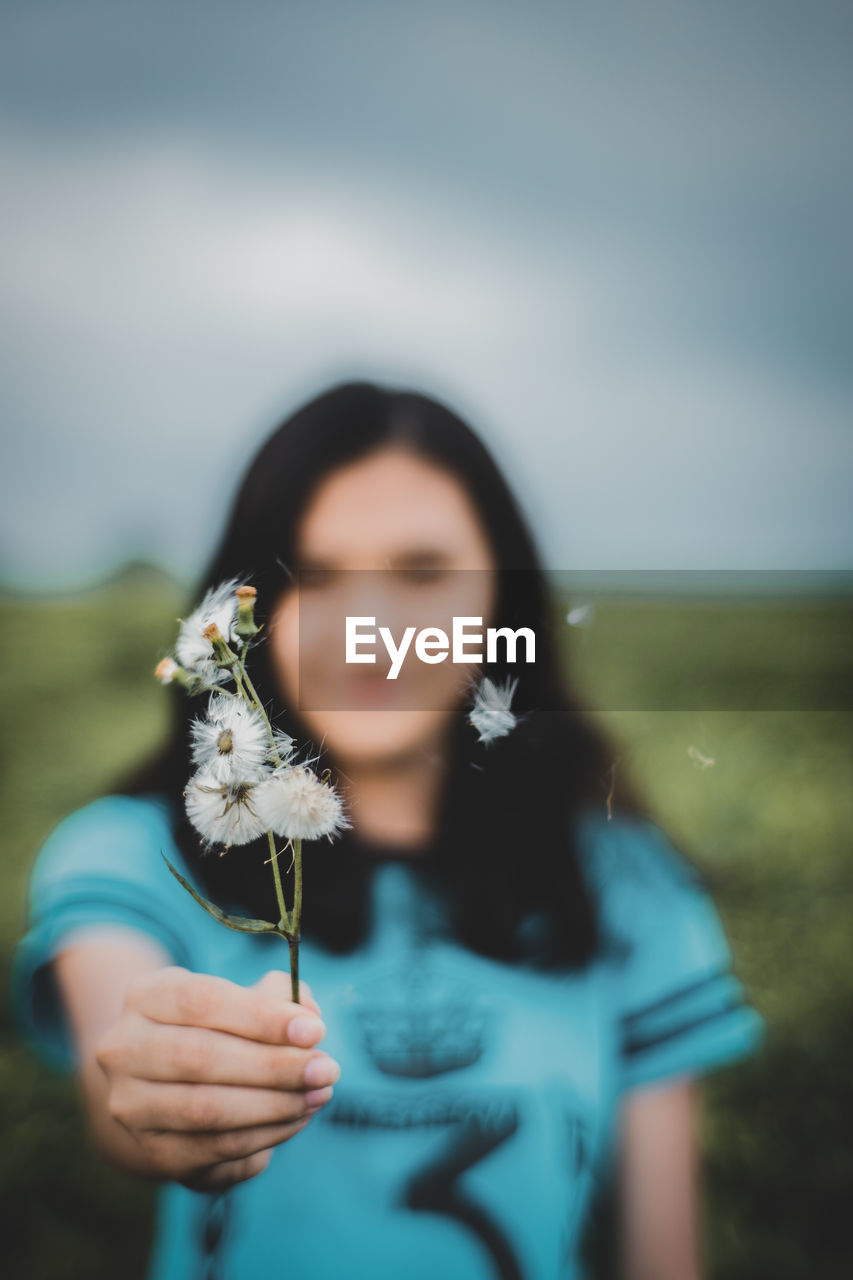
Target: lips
[[369, 690]]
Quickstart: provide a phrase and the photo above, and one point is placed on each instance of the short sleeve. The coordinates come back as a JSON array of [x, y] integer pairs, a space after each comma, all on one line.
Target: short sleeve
[[679, 1008], [100, 865]]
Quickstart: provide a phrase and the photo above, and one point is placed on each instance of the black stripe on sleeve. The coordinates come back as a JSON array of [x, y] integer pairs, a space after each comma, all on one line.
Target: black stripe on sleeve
[[630, 1020], [632, 1047]]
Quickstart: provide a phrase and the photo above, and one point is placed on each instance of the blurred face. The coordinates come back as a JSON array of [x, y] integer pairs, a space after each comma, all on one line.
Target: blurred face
[[390, 510]]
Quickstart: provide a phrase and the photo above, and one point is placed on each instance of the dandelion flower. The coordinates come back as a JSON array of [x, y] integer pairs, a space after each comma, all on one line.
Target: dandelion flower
[[193, 649], [294, 802], [166, 670], [222, 813], [232, 743], [490, 715]]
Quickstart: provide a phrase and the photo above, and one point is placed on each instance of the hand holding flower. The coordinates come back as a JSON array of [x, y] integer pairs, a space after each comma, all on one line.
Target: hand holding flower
[[208, 1076]]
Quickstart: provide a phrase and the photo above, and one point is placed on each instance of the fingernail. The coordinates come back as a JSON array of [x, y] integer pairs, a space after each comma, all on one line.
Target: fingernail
[[316, 1098], [321, 1070], [305, 1030]]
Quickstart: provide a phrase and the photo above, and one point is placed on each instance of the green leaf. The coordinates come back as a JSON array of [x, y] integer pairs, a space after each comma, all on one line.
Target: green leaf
[[245, 924]]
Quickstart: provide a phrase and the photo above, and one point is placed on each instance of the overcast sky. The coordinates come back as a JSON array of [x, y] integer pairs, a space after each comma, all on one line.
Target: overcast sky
[[616, 237]]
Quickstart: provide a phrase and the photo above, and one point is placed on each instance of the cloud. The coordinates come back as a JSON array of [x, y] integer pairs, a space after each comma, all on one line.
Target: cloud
[[619, 248]]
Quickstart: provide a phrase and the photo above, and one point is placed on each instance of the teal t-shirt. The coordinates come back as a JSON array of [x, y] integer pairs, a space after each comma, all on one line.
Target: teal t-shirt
[[477, 1103]]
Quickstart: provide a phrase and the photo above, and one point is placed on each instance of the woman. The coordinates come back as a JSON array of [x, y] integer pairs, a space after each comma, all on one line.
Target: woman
[[519, 976]]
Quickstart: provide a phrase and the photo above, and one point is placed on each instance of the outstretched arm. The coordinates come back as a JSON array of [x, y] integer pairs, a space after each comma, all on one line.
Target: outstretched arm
[[659, 1179]]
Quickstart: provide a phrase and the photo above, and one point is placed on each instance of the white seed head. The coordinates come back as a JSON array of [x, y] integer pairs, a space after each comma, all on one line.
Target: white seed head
[[295, 802], [490, 715], [581, 615], [285, 746], [231, 743], [193, 650], [222, 814]]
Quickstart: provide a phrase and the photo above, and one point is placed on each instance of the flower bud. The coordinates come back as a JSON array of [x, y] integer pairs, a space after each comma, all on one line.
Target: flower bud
[[166, 670], [224, 656], [246, 627]]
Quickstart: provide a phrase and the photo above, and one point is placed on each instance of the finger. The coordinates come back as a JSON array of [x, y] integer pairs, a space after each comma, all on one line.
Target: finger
[[181, 998], [204, 1108], [229, 1172], [195, 1055], [277, 984], [306, 997], [231, 1144]]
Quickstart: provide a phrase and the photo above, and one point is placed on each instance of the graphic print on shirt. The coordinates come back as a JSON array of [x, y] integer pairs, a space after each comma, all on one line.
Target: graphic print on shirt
[[475, 1127], [418, 1023], [577, 1146], [213, 1227]]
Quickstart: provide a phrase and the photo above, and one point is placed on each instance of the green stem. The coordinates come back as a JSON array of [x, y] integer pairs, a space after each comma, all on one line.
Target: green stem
[[235, 671], [296, 917], [288, 924], [297, 884], [252, 697], [284, 923], [293, 943], [253, 693]]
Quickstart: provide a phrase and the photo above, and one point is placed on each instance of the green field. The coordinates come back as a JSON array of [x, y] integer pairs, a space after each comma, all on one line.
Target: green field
[[761, 799]]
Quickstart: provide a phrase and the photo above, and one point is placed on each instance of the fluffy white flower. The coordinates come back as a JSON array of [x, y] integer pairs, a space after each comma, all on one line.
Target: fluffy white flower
[[192, 649], [295, 802], [222, 814], [490, 715], [166, 670], [232, 743]]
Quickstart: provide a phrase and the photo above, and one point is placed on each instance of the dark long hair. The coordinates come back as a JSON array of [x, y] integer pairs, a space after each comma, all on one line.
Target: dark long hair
[[505, 847]]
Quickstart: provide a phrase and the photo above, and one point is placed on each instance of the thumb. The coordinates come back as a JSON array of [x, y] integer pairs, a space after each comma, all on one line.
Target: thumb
[[276, 983]]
